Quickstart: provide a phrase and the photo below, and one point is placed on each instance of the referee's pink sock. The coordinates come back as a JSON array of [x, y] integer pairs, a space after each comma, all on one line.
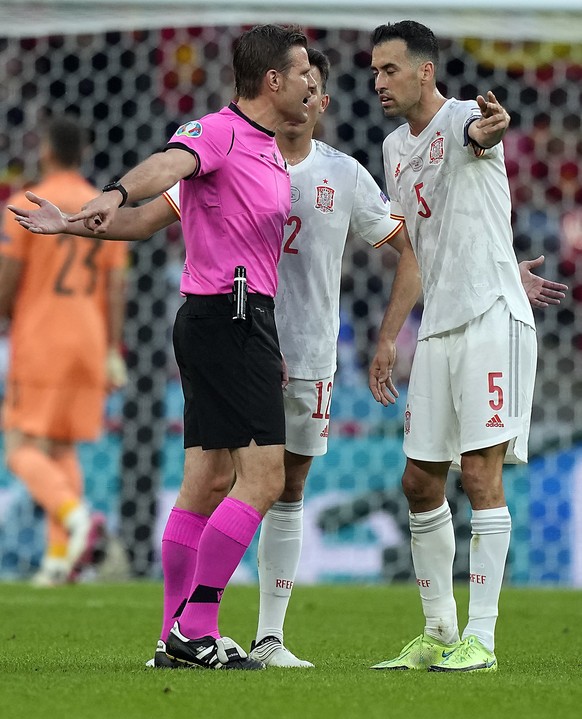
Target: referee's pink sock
[[225, 538], [179, 551]]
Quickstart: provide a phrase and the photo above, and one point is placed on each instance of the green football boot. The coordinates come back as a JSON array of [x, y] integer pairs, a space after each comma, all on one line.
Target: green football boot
[[420, 653], [471, 656]]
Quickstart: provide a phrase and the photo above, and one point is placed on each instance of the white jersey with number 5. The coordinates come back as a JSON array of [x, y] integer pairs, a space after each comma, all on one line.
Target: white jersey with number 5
[[332, 198], [456, 204]]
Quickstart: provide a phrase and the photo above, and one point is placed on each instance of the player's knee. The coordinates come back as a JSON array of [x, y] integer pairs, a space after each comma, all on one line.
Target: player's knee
[[219, 486], [422, 489], [293, 489], [419, 495], [482, 489], [16, 453], [274, 487], [479, 471], [292, 493]]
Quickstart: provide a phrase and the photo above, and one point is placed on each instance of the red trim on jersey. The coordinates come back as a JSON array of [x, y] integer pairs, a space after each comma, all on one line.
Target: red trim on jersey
[[391, 236], [172, 204]]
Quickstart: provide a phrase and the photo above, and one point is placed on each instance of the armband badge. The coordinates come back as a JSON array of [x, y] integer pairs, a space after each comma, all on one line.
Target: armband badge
[[190, 129]]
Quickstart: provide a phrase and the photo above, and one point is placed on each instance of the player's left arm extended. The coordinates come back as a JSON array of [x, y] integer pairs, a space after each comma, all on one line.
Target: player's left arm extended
[[130, 223], [405, 292], [491, 127], [152, 177]]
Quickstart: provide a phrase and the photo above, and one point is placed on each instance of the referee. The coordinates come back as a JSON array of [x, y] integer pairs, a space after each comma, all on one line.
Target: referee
[[234, 201]]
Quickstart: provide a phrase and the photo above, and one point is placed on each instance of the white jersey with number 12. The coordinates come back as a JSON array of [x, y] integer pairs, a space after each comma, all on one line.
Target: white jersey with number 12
[[333, 198]]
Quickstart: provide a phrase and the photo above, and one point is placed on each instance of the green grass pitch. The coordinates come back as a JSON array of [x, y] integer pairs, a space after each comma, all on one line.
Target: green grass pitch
[[79, 652]]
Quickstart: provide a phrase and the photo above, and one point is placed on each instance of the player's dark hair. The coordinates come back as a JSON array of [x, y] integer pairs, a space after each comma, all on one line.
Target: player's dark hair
[[67, 140], [263, 48], [420, 40], [321, 62]]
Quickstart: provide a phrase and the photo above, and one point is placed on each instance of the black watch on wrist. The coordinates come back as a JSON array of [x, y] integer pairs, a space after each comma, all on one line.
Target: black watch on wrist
[[117, 186]]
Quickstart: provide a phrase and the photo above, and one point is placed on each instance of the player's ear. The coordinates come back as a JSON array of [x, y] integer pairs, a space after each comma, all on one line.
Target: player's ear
[[273, 80], [323, 104], [426, 71]]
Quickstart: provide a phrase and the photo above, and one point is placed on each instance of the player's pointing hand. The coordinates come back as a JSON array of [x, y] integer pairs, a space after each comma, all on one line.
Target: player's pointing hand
[[97, 214]]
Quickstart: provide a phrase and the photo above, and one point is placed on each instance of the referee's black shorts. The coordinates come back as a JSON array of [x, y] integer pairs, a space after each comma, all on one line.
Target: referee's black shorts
[[230, 372]]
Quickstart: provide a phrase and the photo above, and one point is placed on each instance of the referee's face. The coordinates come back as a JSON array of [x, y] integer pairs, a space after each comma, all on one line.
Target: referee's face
[[317, 103], [296, 87]]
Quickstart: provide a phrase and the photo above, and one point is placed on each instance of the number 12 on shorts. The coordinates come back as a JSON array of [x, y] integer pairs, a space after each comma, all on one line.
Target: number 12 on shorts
[[321, 390]]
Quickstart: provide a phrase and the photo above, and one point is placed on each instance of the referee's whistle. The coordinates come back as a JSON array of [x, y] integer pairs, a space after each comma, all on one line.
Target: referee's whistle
[[239, 290]]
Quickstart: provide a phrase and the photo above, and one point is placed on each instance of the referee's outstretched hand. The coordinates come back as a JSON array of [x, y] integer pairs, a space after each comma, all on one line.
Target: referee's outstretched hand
[[47, 219]]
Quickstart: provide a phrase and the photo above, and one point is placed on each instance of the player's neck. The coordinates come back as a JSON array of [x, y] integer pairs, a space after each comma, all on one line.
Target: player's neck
[[295, 149], [260, 112], [50, 167], [421, 115]]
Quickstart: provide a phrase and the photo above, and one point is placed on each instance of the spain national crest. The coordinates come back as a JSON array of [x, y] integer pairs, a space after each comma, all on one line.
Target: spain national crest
[[324, 198], [437, 150]]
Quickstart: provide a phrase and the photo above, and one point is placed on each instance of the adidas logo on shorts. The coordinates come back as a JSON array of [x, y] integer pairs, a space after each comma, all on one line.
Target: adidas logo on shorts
[[325, 432], [495, 421]]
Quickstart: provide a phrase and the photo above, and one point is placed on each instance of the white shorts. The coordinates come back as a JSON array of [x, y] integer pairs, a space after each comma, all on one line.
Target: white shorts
[[472, 388], [307, 405]]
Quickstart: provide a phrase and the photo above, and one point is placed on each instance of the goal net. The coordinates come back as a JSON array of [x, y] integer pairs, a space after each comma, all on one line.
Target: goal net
[[132, 72]]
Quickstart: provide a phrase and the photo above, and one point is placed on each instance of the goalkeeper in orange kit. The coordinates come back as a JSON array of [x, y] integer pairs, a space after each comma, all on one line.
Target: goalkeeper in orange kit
[[64, 296]]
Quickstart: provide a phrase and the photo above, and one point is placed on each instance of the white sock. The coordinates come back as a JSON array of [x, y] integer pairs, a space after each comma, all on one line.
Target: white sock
[[433, 551], [491, 530], [278, 557]]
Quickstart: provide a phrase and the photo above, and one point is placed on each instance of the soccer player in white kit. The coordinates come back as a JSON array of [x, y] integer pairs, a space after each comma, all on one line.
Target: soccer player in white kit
[[472, 380], [333, 199]]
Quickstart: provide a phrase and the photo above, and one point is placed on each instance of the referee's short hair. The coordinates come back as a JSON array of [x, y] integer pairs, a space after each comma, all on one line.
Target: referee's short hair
[[263, 48]]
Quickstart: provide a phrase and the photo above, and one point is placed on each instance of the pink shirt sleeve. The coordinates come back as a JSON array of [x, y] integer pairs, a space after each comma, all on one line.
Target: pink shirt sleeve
[[210, 139]]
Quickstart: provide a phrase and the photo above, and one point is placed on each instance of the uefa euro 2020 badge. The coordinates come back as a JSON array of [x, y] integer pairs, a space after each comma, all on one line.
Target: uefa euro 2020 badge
[[190, 129]]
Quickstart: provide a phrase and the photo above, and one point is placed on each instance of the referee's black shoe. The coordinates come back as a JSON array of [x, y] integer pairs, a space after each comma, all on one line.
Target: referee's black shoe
[[208, 652], [161, 660]]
